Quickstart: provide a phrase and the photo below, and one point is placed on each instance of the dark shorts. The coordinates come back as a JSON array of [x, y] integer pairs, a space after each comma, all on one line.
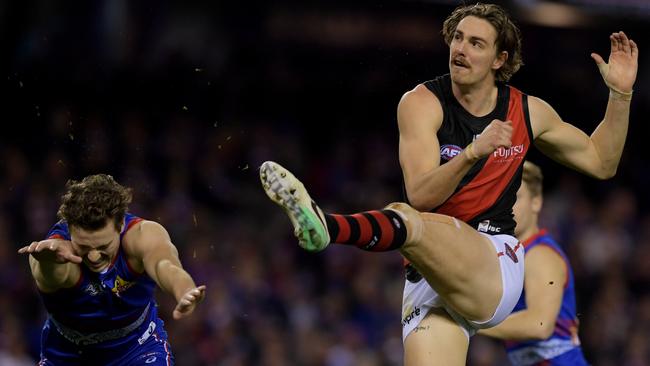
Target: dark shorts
[[147, 345]]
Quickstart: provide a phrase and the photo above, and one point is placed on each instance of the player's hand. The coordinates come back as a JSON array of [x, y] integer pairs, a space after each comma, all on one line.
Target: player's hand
[[497, 134], [51, 250], [188, 302], [619, 72]]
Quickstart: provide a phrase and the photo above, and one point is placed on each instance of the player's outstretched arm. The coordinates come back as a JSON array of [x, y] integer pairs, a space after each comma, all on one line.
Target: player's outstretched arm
[[161, 262], [53, 263], [544, 279], [597, 155]]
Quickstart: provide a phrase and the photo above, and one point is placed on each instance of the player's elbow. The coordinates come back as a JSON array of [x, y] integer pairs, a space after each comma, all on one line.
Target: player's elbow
[[607, 168], [420, 202], [421, 205], [165, 266], [542, 331], [603, 174], [608, 174]]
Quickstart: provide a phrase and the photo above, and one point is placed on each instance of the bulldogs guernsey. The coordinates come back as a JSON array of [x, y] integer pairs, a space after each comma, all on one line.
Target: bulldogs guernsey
[[486, 194], [563, 346], [107, 318]]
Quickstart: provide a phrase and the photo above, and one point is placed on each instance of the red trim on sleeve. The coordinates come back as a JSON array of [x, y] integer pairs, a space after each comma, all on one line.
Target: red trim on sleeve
[[535, 236], [132, 223], [127, 228]]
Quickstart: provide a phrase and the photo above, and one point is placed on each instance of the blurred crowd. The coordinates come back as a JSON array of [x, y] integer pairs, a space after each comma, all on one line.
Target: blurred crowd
[[183, 104], [270, 303]]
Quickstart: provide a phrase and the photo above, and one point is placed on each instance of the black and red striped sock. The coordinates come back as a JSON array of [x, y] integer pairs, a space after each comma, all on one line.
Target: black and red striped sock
[[375, 231]]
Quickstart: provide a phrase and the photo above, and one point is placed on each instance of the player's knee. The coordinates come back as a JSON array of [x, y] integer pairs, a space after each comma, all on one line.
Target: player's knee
[[412, 219]]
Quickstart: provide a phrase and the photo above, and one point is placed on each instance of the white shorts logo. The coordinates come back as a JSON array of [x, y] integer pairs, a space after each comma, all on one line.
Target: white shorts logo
[[147, 333], [414, 313]]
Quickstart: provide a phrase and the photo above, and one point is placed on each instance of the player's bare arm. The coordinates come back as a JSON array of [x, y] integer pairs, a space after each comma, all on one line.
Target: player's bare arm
[[597, 155], [544, 280], [151, 242], [428, 184], [53, 263]]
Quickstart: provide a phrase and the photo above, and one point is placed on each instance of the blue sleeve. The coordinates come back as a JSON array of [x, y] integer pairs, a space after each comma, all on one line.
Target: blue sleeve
[[59, 230]]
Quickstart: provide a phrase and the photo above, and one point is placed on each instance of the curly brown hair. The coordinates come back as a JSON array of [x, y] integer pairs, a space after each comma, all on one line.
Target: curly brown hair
[[508, 35], [97, 198]]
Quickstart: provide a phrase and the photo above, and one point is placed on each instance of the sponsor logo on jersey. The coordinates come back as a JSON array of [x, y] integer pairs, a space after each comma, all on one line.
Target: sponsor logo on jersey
[[448, 152], [503, 154], [121, 285]]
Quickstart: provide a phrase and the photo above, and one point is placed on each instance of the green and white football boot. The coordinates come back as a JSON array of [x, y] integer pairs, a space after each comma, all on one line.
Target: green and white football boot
[[307, 218]]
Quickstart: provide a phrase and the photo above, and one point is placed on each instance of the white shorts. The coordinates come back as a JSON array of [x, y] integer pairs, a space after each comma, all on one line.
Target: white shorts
[[419, 297]]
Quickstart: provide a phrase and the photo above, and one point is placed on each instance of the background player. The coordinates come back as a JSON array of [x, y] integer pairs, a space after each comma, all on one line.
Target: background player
[[543, 328]]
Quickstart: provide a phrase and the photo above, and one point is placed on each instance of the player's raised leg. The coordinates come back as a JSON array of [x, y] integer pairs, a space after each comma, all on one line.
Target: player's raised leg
[[458, 262]]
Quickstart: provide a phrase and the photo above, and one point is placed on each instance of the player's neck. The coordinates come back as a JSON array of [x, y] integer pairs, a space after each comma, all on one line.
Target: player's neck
[[528, 233], [478, 99]]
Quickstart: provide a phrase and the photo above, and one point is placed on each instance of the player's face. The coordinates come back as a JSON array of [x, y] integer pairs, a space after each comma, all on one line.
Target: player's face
[[473, 53], [97, 248]]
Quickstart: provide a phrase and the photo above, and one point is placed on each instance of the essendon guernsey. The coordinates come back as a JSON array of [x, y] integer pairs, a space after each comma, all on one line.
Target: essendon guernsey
[[486, 194]]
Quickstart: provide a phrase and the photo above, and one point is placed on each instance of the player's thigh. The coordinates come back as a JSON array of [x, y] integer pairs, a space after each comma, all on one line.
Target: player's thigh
[[443, 248], [461, 264], [437, 341]]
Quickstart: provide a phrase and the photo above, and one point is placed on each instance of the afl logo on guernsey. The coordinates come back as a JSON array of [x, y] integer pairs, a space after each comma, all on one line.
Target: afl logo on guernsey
[[448, 152]]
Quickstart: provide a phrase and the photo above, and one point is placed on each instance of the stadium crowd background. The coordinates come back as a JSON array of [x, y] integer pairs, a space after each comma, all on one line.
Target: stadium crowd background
[[183, 102]]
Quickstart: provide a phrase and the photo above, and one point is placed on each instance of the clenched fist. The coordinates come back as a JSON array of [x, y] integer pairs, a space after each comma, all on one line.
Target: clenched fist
[[497, 134]]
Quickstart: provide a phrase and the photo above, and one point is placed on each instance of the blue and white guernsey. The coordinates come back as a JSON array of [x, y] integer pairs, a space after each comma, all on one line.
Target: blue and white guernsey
[[107, 318], [562, 348]]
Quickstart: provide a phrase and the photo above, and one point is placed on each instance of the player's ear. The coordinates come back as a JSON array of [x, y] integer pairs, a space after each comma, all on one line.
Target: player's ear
[[536, 203], [500, 60]]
